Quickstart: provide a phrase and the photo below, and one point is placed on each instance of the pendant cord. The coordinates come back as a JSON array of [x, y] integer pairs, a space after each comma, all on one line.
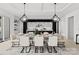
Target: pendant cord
[[55, 8], [24, 7]]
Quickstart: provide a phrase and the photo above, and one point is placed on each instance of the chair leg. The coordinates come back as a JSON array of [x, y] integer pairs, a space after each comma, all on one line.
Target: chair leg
[[18, 44], [55, 50], [28, 50], [49, 49], [22, 50], [36, 49], [41, 49], [12, 44]]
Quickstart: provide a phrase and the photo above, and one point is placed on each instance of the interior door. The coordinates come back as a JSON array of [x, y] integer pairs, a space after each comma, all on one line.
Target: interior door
[[71, 28]]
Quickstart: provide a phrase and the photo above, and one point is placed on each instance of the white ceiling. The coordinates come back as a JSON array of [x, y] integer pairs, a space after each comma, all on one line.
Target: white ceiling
[[37, 10]]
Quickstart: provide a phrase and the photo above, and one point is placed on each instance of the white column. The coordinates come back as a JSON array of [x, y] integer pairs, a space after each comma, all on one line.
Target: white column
[[3, 29]]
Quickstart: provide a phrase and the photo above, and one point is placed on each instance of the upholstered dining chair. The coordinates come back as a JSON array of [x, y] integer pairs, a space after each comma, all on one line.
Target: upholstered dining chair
[[38, 41], [25, 44], [45, 34], [14, 40], [31, 33], [52, 42]]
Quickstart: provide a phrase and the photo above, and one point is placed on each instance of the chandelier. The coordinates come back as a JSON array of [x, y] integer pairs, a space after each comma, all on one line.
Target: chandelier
[[24, 17], [55, 17]]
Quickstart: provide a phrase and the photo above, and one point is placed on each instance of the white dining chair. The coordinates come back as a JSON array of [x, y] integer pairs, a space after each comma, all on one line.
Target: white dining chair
[[38, 41], [50, 35], [31, 33], [52, 42], [24, 42], [14, 40], [45, 33]]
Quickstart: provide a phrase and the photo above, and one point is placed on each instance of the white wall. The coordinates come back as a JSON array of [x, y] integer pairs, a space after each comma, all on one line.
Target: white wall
[[64, 24], [20, 27], [11, 25], [6, 27]]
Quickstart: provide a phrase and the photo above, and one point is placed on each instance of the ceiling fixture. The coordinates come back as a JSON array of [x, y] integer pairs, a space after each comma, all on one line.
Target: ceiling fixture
[[55, 17], [24, 17]]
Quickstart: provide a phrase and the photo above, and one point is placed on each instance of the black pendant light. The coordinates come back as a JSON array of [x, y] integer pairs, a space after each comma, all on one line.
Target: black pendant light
[[24, 17], [55, 17]]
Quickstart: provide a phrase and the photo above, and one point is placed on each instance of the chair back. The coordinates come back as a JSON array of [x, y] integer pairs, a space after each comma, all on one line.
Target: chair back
[[52, 41], [13, 36], [45, 33], [50, 35], [24, 41], [31, 34], [38, 40]]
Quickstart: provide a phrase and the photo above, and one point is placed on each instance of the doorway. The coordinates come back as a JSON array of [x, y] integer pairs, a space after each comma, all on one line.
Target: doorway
[[71, 28]]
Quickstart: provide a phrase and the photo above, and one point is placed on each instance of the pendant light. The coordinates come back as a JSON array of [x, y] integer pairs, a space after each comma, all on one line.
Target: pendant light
[[55, 17], [24, 17]]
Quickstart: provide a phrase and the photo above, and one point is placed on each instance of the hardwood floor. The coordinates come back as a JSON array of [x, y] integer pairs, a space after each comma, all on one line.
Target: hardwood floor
[[69, 43]]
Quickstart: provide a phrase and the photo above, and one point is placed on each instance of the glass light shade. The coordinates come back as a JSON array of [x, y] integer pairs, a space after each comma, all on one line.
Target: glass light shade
[[23, 18], [56, 18]]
